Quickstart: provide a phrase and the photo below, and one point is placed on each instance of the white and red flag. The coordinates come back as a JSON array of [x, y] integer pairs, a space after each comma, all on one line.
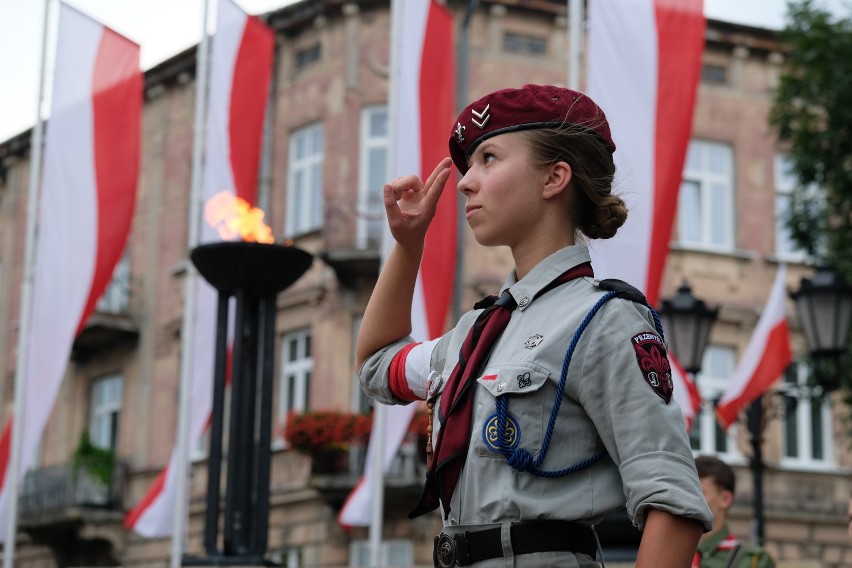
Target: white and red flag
[[765, 359], [685, 392], [240, 71], [423, 95], [85, 209], [644, 63]]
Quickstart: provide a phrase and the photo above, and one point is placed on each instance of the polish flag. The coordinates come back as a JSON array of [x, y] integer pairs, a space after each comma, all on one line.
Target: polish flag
[[685, 392], [91, 169], [241, 68], [423, 95], [644, 62], [766, 357]]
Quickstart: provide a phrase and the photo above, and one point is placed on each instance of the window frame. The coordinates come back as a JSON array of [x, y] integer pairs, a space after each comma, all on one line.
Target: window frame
[[299, 371], [308, 216], [701, 176], [368, 217], [711, 388], [802, 393], [110, 410], [785, 184]]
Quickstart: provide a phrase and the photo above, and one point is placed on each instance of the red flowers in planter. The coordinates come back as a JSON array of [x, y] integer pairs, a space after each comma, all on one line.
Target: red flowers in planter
[[324, 430]]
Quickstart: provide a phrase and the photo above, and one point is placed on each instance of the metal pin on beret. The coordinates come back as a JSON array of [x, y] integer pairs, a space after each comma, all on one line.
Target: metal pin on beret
[[527, 108]]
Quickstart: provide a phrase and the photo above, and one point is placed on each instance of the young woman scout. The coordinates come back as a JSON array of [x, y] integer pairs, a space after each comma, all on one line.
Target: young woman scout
[[552, 404]]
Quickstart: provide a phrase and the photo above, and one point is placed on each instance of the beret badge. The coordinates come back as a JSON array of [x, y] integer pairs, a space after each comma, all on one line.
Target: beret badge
[[459, 132], [482, 116]]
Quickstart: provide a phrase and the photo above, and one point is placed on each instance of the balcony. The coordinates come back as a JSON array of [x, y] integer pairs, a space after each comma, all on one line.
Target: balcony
[[65, 492], [75, 515], [353, 266], [110, 325], [403, 482]]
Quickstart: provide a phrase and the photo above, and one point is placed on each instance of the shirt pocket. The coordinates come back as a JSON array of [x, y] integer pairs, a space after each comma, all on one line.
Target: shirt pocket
[[522, 385]]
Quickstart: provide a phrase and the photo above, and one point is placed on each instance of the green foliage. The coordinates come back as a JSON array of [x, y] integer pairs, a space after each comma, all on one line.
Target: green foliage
[[812, 115], [97, 462]]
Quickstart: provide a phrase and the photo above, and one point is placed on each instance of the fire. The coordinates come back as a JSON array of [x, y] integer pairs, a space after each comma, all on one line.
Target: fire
[[233, 217]]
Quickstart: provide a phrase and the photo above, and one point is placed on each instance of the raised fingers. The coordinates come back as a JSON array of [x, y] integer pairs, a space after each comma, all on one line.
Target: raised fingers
[[437, 180], [442, 165]]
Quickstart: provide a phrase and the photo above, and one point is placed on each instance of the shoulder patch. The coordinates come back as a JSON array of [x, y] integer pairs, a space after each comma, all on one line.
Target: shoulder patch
[[654, 363]]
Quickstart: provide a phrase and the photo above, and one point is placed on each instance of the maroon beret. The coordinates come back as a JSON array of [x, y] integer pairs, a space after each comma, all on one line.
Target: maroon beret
[[531, 106]]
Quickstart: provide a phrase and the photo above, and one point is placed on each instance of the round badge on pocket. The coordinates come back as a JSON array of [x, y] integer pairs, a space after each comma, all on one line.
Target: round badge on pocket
[[490, 433]]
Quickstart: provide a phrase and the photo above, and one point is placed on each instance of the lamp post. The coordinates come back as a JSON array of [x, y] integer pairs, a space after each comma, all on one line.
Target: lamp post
[[824, 309], [687, 322]]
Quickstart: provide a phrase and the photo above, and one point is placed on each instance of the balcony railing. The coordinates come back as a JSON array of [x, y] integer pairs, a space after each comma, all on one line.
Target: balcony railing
[[53, 491], [407, 466]]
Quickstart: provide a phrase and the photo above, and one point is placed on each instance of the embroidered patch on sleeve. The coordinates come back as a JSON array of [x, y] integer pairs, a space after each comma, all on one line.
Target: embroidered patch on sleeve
[[654, 363]]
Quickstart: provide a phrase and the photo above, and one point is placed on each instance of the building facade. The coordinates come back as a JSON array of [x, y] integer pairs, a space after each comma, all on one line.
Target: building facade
[[322, 170]]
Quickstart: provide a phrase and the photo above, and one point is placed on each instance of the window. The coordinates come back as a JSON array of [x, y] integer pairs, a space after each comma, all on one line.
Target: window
[[115, 297], [106, 406], [705, 207], [707, 436], [296, 367], [714, 74], [524, 44], [308, 55], [287, 557], [785, 183], [393, 553], [304, 181], [807, 421], [372, 176]]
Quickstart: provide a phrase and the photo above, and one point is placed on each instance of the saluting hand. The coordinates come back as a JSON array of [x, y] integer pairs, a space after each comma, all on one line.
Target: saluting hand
[[410, 204]]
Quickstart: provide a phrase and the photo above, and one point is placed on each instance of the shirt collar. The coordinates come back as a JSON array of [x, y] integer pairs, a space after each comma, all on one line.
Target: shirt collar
[[544, 273], [709, 545]]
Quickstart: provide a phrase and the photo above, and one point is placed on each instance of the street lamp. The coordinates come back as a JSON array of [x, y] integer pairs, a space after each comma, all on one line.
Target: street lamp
[[824, 308], [687, 322]]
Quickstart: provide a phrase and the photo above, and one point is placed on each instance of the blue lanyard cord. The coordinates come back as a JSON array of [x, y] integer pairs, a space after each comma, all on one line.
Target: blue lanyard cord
[[519, 458], [657, 323]]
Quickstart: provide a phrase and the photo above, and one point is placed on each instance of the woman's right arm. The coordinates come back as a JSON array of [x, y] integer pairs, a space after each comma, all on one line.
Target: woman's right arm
[[410, 206]]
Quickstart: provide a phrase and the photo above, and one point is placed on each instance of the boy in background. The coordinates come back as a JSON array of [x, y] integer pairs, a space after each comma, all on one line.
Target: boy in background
[[719, 548]]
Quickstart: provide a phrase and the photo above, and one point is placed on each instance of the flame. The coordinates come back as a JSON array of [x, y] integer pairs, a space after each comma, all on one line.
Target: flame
[[233, 218]]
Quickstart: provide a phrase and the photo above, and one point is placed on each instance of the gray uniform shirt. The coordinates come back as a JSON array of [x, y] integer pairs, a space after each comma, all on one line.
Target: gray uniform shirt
[[608, 405]]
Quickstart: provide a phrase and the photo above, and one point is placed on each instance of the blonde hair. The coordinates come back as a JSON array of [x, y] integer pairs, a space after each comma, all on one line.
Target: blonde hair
[[597, 213]]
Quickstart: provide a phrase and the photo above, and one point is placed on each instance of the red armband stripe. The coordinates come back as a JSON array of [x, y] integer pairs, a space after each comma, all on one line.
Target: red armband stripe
[[397, 382]]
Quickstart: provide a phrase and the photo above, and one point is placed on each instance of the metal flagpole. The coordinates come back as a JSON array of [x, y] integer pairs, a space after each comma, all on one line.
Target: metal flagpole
[[462, 65], [25, 316], [575, 41], [380, 411], [190, 287]]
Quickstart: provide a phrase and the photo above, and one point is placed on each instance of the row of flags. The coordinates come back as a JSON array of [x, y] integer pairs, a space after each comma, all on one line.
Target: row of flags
[[644, 59]]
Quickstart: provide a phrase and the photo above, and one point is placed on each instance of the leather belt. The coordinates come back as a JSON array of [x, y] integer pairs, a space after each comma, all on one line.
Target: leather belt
[[470, 547]]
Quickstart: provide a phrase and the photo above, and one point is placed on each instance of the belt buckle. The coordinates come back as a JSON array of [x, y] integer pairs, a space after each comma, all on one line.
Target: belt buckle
[[445, 551]]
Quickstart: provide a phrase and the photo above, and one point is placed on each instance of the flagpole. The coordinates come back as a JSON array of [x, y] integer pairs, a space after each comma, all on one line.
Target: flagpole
[[380, 411], [461, 94], [190, 287], [575, 36], [25, 317]]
